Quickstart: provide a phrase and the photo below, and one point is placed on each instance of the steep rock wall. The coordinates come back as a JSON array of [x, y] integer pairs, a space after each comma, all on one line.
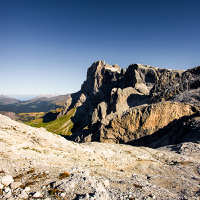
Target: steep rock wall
[[143, 120]]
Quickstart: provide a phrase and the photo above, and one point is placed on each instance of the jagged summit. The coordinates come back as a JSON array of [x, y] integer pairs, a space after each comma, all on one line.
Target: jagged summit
[[98, 75]]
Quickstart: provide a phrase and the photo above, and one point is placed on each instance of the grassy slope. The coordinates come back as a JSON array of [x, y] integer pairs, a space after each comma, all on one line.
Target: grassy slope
[[61, 126]]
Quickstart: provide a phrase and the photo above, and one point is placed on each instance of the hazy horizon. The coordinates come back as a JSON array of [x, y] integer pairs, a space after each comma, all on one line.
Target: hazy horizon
[[48, 45], [26, 97]]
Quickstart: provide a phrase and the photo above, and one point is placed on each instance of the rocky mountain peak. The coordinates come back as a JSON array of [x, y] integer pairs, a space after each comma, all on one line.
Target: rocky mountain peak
[[4, 96], [98, 76], [110, 91]]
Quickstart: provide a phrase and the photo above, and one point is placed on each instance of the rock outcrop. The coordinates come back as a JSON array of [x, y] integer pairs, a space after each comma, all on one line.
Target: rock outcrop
[[178, 86], [122, 106], [142, 121]]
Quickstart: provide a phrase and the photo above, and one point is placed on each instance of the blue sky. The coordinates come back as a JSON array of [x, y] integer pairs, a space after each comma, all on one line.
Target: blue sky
[[46, 46]]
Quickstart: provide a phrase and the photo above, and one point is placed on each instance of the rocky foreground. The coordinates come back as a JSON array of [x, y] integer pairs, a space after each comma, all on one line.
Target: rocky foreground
[[36, 164]]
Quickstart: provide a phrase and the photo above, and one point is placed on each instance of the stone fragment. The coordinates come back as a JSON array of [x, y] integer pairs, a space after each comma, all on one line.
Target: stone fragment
[[27, 189], [106, 183], [63, 194], [8, 194], [23, 195], [37, 195], [86, 173], [15, 185], [7, 180], [7, 189]]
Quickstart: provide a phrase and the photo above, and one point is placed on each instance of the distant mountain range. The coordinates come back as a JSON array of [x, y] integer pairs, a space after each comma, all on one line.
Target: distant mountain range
[[26, 97], [47, 95], [6, 100], [41, 103]]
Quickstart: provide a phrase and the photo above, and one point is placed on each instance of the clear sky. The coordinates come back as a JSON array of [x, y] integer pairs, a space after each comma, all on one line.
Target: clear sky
[[46, 46]]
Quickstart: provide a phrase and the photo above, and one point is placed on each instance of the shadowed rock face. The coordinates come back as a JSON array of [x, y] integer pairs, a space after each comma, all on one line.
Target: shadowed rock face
[[177, 86], [121, 106]]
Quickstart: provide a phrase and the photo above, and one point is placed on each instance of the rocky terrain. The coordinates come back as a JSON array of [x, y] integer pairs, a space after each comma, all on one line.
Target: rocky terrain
[[135, 106], [36, 164]]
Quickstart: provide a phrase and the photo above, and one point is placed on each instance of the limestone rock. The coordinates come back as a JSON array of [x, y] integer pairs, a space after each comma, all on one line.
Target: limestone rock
[[8, 194], [174, 83], [15, 185], [134, 78], [81, 100], [23, 195], [7, 180], [83, 185], [110, 93], [186, 129], [99, 113], [99, 75], [37, 195], [123, 99], [143, 120]]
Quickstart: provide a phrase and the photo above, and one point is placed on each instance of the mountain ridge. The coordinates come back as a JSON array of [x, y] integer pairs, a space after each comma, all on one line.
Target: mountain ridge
[[39, 104], [5, 100]]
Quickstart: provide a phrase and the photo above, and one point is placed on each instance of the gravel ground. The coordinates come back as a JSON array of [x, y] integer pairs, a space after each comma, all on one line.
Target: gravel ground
[[36, 164]]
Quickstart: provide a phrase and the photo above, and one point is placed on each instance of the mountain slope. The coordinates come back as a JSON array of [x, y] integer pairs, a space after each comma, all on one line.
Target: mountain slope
[[48, 166], [5, 100], [41, 104], [61, 126]]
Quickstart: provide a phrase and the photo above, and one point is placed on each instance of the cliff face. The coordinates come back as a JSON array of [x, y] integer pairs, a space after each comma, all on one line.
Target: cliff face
[[121, 106]]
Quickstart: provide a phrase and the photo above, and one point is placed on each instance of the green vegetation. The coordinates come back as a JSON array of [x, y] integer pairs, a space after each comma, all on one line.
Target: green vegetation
[[27, 117], [60, 126]]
